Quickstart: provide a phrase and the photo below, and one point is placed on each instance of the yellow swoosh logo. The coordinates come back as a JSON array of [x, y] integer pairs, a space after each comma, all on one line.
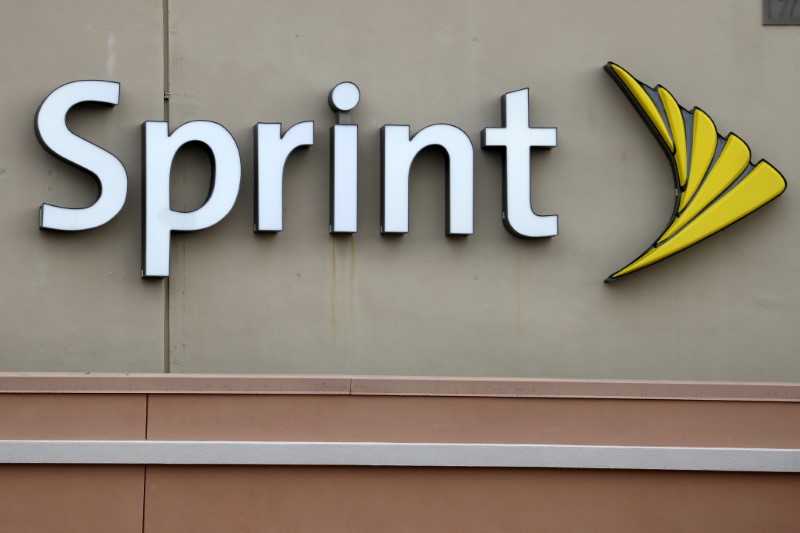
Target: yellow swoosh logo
[[715, 180]]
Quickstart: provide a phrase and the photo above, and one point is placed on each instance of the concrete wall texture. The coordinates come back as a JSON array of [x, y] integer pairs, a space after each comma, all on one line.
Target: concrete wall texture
[[490, 304]]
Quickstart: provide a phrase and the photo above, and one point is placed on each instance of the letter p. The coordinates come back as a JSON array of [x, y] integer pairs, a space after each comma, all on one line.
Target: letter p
[[158, 219]]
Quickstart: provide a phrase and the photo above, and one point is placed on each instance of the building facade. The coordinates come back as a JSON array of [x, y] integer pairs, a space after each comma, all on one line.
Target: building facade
[[685, 374]]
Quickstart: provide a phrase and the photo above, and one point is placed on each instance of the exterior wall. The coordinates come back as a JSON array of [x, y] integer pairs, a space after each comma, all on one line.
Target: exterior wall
[[703, 435], [487, 305], [370, 499], [229, 496], [220, 499], [73, 302]]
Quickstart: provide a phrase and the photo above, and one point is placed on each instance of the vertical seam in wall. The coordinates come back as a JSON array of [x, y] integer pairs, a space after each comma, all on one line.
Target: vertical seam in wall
[[165, 45], [166, 326], [146, 415], [144, 497]]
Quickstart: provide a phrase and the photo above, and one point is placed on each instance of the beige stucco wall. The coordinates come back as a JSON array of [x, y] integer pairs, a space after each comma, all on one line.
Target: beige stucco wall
[[304, 302], [75, 301]]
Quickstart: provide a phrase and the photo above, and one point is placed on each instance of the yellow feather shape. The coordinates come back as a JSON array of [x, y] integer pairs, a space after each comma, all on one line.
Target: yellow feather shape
[[716, 181]]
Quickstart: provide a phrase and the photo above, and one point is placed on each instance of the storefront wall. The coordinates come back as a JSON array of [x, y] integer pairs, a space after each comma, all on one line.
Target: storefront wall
[[56, 433], [272, 338], [490, 304]]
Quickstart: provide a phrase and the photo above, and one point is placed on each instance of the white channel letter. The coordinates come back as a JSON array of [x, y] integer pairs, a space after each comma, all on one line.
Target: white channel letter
[[55, 137], [272, 150], [158, 218], [344, 159], [517, 137], [398, 151]]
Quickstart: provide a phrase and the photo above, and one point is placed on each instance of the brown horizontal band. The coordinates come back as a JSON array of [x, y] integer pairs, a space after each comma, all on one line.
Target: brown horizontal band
[[12, 382]]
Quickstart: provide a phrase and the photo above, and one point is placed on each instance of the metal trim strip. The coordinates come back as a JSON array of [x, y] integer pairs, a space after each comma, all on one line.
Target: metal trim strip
[[399, 454]]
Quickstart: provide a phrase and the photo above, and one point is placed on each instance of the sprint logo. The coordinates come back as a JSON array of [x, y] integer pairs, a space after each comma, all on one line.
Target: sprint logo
[[716, 182]]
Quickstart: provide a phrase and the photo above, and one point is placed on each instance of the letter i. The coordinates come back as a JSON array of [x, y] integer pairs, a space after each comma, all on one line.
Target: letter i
[[344, 160]]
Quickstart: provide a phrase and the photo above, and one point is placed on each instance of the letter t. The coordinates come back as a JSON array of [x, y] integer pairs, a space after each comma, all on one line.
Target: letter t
[[517, 137]]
